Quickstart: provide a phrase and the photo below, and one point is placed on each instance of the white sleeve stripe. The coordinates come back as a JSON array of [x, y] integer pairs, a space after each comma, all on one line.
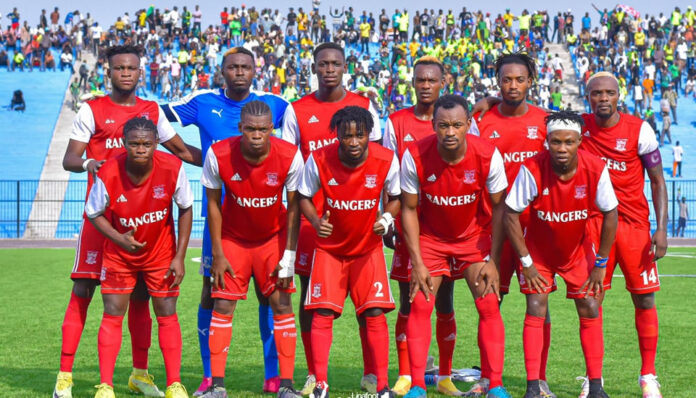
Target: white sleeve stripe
[[183, 195], [523, 191], [376, 133], [647, 141], [98, 199], [309, 182], [293, 178], [409, 174], [210, 177], [606, 197], [393, 182], [290, 132], [496, 180], [83, 126]]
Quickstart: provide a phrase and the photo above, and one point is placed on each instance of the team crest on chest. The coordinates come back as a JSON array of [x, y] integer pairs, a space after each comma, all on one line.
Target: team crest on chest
[[532, 132], [370, 180], [158, 192], [469, 176], [580, 191], [272, 179], [621, 144], [316, 290]]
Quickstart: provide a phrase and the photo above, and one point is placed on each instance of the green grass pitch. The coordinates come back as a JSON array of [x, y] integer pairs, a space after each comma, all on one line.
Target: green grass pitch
[[35, 290]]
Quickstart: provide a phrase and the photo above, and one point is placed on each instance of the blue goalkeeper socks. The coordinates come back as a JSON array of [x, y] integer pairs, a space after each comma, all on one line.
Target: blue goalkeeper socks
[[270, 354], [204, 316]]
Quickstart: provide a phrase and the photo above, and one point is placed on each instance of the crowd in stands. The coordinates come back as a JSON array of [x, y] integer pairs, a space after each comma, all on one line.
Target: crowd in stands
[[653, 55]]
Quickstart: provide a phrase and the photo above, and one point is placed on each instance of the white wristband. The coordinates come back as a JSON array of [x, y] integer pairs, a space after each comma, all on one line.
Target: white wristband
[[85, 164], [287, 264], [386, 220], [526, 261]]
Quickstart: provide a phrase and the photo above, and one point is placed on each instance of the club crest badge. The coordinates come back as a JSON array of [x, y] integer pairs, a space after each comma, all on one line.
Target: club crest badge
[[158, 192], [532, 132], [580, 191], [272, 179], [469, 176], [91, 257], [316, 290], [370, 180], [621, 144]]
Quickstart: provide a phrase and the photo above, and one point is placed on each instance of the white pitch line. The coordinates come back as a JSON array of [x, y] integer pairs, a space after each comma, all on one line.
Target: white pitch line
[[667, 276], [681, 255]]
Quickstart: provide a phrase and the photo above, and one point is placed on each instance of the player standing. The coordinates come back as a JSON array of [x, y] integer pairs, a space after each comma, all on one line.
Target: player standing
[[216, 113], [450, 172], [628, 146], [348, 258], [561, 187], [306, 124], [403, 128], [130, 204], [252, 169], [98, 131]]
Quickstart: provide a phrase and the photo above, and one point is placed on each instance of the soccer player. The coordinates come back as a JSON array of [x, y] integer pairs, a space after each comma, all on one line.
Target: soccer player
[[306, 124], [403, 128], [216, 113], [628, 146], [449, 236], [252, 169], [130, 203], [518, 130], [98, 131], [348, 258], [562, 187]]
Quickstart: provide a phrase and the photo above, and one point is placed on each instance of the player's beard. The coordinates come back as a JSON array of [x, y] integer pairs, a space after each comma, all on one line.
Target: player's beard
[[513, 104]]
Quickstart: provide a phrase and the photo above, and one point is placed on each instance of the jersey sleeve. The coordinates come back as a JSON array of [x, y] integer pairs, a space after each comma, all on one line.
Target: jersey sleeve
[[183, 195], [647, 142], [165, 130], [293, 179], [606, 197], [473, 128], [98, 199], [523, 191], [389, 140], [409, 174], [83, 125], [376, 133], [496, 181], [210, 177], [279, 107], [184, 111], [393, 182], [309, 181], [291, 130]]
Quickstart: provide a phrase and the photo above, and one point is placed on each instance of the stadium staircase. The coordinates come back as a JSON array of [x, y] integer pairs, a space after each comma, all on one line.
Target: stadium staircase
[[569, 89]]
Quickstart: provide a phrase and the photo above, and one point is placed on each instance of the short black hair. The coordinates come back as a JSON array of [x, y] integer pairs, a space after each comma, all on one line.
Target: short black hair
[[255, 108], [516, 58], [237, 50], [124, 49], [328, 46], [566, 116], [449, 101], [139, 123], [351, 114]]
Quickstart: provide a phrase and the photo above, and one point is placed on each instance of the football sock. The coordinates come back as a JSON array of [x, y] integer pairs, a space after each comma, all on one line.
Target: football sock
[[648, 331], [533, 339], [419, 332], [322, 335], [285, 335], [270, 353], [307, 343], [169, 334], [204, 316], [491, 338], [377, 336], [545, 350], [73, 324], [592, 340], [108, 345], [368, 359], [446, 334], [402, 344], [140, 328], [219, 340]]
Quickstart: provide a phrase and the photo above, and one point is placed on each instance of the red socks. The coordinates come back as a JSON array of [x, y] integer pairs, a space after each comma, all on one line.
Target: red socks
[[169, 334], [307, 343], [109, 343], [220, 334], [648, 331], [545, 350], [73, 324], [402, 344], [377, 336], [368, 359], [533, 342], [419, 332], [285, 335], [140, 328], [491, 339], [592, 340], [322, 335], [446, 332]]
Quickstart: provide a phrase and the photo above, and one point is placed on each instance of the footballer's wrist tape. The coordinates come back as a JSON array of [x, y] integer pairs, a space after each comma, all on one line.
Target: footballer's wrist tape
[[386, 220], [287, 264], [526, 261], [86, 163], [601, 262]]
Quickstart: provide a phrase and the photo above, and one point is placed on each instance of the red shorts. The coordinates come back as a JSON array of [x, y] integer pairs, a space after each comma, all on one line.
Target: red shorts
[[119, 278], [509, 265], [453, 258], [88, 255], [632, 250], [575, 274], [401, 261], [251, 258], [364, 277], [306, 244]]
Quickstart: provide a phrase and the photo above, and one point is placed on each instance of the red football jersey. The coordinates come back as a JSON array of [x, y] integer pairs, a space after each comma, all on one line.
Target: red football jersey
[[352, 196], [252, 209], [620, 147], [146, 207], [450, 195], [559, 210], [403, 129]]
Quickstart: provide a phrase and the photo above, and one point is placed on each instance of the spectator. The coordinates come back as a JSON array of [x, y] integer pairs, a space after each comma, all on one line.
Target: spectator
[[17, 102], [666, 121], [683, 216], [677, 154], [66, 59], [556, 99]]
